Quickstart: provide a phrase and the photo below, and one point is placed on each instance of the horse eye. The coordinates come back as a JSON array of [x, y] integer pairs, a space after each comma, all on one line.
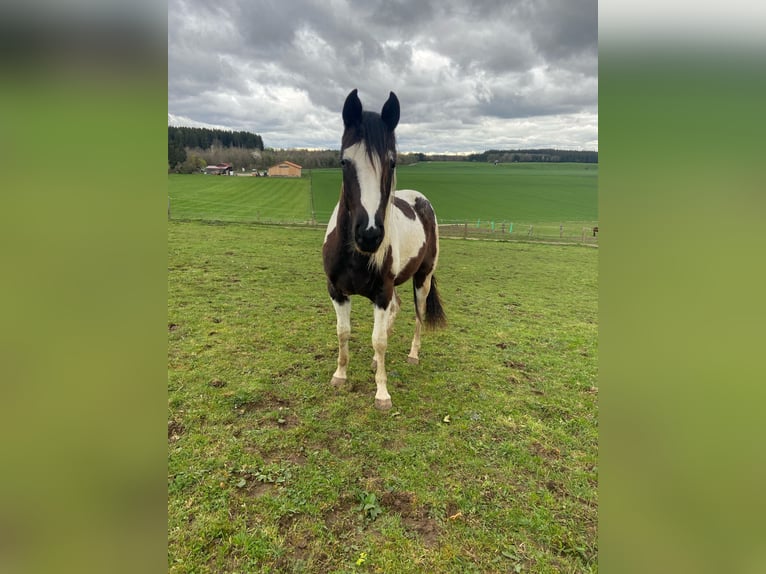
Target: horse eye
[[393, 163], [343, 163]]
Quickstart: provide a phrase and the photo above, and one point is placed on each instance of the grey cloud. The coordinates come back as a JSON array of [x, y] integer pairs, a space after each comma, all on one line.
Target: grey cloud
[[284, 69]]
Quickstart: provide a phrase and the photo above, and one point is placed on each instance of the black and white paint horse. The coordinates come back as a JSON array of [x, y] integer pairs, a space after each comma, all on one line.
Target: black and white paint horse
[[378, 238]]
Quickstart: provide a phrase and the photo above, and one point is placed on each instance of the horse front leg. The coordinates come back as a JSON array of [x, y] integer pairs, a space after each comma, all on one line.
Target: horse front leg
[[379, 345], [343, 328]]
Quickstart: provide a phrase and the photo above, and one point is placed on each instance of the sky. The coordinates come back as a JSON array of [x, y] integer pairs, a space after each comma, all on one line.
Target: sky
[[470, 75]]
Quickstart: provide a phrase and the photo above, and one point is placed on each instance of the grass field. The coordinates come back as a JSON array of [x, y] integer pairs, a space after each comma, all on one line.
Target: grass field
[[486, 463], [221, 198], [543, 194], [513, 192]]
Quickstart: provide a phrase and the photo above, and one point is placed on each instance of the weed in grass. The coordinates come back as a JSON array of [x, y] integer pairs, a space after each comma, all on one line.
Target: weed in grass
[[368, 505]]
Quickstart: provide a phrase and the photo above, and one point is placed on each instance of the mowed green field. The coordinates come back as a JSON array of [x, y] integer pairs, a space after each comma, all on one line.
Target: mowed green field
[[541, 193], [224, 198], [486, 463], [512, 192]]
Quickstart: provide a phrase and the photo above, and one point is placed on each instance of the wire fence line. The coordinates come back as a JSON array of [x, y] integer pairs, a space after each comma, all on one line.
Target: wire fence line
[[543, 233], [584, 233], [569, 232]]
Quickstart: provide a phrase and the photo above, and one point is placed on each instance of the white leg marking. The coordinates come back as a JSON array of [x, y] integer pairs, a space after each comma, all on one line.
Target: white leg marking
[[343, 328], [413, 358], [379, 344], [394, 309]]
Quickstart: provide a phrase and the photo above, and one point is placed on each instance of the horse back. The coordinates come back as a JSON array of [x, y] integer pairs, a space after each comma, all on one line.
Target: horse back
[[417, 236]]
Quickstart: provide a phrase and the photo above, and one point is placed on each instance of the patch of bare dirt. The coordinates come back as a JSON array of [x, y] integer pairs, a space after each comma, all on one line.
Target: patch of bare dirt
[[546, 452], [256, 488], [518, 365], [343, 519], [337, 442], [281, 456], [300, 543], [175, 430], [274, 410], [252, 487], [414, 518], [283, 419], [394, 445]]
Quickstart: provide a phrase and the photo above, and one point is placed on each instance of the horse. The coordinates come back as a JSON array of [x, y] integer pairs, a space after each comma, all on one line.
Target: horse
[[378, 238]]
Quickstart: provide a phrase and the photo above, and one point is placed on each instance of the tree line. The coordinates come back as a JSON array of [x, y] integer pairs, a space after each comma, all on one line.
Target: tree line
[[191, 149], [536, 155], [204, 138]]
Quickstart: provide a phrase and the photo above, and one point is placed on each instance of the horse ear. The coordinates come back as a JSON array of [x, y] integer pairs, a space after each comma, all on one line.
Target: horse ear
[[352, 110], [390, 112]]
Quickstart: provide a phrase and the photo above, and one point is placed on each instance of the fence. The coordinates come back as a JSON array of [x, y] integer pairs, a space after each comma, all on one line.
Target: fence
[[585, 233], [570, 232]]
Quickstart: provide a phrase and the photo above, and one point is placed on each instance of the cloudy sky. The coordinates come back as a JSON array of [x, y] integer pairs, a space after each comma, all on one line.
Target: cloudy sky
[[470, 75]]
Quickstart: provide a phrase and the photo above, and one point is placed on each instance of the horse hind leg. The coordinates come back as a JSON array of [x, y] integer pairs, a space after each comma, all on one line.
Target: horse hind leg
[[343, 328], [396, 304], [421, 295]]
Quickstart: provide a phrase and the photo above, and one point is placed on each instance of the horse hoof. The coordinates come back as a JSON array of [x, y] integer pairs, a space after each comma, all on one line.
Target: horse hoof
[[383, 404], [337, 382], [413, 360]]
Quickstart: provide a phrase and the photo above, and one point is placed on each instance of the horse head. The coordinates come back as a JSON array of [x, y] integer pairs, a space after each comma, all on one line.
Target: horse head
[[368, 159]]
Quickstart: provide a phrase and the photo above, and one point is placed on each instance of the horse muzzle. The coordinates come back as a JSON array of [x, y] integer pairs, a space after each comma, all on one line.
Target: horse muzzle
[[367, 240]]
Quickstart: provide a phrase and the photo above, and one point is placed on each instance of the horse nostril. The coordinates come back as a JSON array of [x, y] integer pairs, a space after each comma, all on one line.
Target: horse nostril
[[368, 239], [373, 234]]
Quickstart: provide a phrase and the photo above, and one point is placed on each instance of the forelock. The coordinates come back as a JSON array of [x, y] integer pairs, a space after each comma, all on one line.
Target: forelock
[[378, 139]]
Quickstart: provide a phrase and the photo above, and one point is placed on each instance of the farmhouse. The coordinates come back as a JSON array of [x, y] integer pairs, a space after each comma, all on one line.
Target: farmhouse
[[285, 169], [219, 169]]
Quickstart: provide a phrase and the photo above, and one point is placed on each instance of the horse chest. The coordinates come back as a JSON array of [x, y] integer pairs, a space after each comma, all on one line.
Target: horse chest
[[352, 274]]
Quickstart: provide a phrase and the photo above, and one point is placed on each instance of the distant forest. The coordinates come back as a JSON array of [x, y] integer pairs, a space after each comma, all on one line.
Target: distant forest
[[204, 138], [191, 149], [554, 155]]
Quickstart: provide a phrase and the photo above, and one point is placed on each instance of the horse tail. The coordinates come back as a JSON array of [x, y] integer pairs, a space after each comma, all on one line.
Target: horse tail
[[435, 317]]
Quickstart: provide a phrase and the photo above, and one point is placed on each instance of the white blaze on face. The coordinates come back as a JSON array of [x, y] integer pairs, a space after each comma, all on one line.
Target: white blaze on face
[[368, 174]]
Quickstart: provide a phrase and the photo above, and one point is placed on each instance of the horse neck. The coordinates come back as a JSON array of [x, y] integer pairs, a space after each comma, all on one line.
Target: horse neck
[[390, 237]]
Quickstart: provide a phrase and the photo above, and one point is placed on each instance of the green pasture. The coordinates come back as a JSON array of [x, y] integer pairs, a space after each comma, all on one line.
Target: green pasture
[[545, 194], [225, 198], [487, 462], [511, 192]]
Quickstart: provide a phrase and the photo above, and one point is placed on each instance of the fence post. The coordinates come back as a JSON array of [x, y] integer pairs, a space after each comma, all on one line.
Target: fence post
[[502, 228], [529, 233], [561, 231], [465, 231], [311, 193]]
